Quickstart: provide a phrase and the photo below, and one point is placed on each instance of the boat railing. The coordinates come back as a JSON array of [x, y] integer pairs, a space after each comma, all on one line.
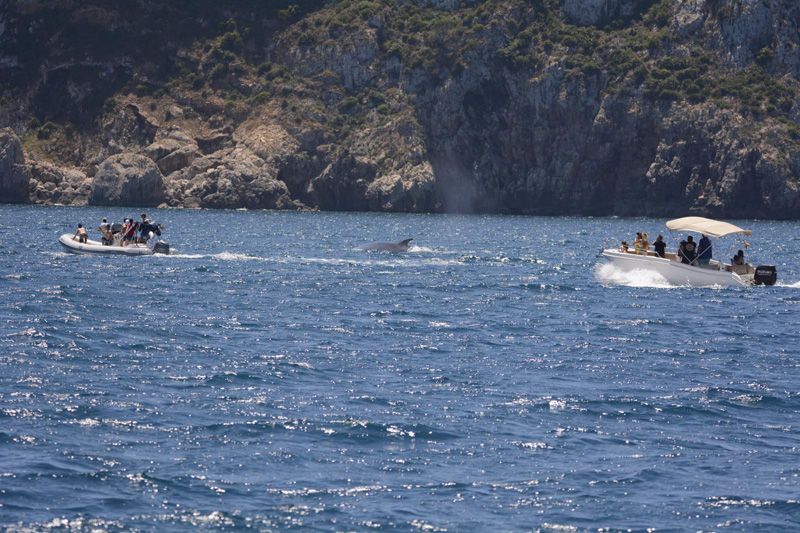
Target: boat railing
[[741, 269], [713, 265], [649, 253]]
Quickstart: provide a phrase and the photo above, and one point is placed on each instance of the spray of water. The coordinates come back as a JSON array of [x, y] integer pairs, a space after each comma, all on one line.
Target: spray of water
[[608, 274], [420, 249]]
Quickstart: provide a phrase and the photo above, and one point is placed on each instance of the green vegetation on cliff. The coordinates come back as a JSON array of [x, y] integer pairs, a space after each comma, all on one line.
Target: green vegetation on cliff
[[470, 98]]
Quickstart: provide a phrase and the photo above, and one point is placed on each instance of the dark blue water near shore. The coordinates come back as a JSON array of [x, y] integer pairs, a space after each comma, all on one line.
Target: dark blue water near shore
[[271, 375]]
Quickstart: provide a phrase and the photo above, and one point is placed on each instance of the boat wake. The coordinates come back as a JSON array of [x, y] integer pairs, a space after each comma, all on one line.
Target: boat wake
[[608, 274], [389, 260], [224, 256], [795, 285]]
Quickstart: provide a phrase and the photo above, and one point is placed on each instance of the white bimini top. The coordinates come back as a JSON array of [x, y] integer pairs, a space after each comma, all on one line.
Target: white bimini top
[[714, 228]]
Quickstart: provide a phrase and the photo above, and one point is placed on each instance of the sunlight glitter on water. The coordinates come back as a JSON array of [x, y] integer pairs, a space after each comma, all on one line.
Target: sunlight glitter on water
[[495, 377]]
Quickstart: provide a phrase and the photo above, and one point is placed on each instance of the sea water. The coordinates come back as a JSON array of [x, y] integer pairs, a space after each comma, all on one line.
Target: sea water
[[272, 375]]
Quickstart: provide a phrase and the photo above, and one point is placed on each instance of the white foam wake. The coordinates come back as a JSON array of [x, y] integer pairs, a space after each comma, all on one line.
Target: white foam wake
[[230, 256], [224, 256], [420, 249], [608, 274], [390, 260], [795, 285]]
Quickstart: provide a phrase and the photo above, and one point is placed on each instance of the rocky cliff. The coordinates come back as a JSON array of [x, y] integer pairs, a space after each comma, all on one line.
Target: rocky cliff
[[629, 107]]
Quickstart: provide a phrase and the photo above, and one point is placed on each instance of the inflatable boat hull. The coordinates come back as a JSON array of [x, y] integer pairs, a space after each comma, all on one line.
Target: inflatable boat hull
[[95, 247]]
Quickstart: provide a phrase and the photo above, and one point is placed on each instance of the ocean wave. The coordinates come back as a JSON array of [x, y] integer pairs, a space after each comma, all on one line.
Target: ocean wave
[[69, 524], [364, 431], [737, 501], [230, 376]]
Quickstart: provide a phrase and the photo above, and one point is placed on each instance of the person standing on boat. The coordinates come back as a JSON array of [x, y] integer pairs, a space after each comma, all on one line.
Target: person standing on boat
[[645, 243], [142, 228], [637, 244], [704, 251], [105, 231], [128, 231], [688, 251], [80, 234], [660, 246]]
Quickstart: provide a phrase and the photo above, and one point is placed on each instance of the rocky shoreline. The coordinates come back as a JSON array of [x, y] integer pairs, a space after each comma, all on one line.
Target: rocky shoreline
[[611, 109]]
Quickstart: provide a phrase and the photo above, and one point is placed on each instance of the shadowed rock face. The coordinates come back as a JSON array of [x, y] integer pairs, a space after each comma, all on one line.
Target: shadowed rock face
[[627, 107], [128, 179], [14, 176], [602, 12]]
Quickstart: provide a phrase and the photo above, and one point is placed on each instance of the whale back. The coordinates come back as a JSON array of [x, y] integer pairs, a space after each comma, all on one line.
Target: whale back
[[401, 246]]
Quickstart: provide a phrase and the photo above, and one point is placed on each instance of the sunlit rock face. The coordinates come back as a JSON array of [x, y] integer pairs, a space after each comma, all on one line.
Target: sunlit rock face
[[128, 179]]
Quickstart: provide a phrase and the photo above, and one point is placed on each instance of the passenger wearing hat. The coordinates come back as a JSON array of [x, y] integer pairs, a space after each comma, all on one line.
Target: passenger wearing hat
[[128, 231]]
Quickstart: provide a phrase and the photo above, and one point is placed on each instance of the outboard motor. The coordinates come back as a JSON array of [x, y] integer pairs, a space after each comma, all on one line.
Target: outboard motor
[[765, 275], [163, 248]]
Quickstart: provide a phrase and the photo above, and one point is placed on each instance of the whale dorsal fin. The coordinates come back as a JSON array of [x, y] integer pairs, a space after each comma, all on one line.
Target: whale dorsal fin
[[405, 242]]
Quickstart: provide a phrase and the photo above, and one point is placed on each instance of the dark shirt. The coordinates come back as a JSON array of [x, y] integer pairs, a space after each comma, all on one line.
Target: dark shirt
[[660, 248], [688, 252], [705, 248]]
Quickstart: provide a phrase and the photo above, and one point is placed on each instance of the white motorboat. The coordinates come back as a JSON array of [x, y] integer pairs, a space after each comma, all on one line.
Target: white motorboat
[[679, 271], [72, 244]]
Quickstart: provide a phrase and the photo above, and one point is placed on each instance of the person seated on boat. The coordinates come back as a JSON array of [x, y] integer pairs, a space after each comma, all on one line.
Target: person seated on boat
[[688, 251], [81, 234], [623, 247], [637, 243], [645, 243], [146, 230], [105, 232], [704, 251], [738, 259]]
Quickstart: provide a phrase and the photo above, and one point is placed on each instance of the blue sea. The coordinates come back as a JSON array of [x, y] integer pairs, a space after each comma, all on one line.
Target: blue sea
[[272, 375]]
